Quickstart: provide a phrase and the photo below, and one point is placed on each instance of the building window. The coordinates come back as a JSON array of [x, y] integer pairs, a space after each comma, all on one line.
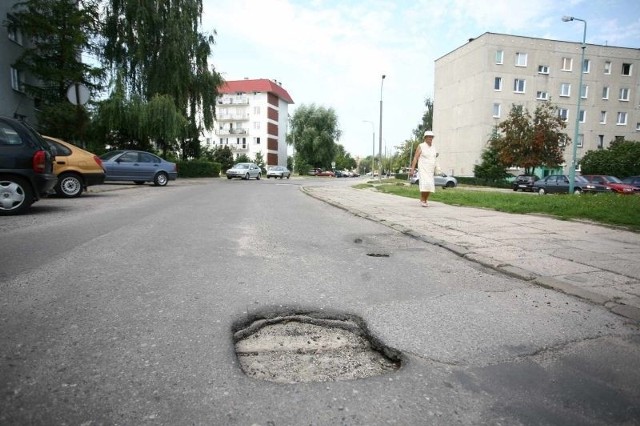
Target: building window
[[607, 67], [497, 83], [600, 141], [624, 94], [521, 59], [584, 92], [256, 110], [543, 69], [563, 113], [244, 143], [542, 96], [567, 64], [565, 89], [586, 66], [499, 57], [622, 119], [17, 81], [519, 85], [603, 117], [256, 141], [637, 127], [256, 125], [14, 33], [496, 110], [626, 69], [580, 142], [583, 116], [605, 92]]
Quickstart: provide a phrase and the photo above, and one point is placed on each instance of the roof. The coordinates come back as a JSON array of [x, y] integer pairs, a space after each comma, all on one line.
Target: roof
[[260, 85]]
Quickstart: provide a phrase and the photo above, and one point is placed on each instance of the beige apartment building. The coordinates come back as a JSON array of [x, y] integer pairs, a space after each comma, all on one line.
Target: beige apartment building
[[477, 83], [252, 116]]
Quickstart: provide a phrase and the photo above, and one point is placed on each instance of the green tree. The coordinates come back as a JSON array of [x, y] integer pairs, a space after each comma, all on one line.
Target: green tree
[[315, 132], [160, 49], [242, 158], [426, 122], [224, 156], [621, 159], [343, 159], [58, 32], [529, 142], [491, 167], [259, 160]]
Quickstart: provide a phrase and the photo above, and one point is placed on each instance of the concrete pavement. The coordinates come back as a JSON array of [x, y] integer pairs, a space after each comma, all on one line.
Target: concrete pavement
[[592, 262]]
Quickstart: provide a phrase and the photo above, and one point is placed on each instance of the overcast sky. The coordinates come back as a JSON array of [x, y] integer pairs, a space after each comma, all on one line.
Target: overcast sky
[[332, 53]]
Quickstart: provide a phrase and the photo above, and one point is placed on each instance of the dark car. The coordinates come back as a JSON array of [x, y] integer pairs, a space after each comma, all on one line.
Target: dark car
[[26, 167], [632, 180], [559, 184], [138, 166], [524, 182], [614, 183]]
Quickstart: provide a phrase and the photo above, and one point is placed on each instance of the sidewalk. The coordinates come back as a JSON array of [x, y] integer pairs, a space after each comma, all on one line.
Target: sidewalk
[[595, 263]]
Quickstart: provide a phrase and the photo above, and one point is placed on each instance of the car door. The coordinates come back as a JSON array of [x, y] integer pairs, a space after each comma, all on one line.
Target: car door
[[439, 179], [124, 167], [61, 153], [254, 171], [551, 184], [148, 165]]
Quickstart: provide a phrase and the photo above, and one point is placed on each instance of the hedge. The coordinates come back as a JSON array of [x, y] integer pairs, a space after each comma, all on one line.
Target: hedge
[[198, 168]]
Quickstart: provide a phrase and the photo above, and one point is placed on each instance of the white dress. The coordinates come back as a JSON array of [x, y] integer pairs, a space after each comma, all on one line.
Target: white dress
[[426, 167]]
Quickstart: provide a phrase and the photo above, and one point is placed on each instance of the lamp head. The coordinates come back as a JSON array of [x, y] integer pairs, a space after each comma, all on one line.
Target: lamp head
[[567, 18], [383, 76]]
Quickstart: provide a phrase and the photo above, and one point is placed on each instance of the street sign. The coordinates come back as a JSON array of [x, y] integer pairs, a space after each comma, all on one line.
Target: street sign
[[78, 94]]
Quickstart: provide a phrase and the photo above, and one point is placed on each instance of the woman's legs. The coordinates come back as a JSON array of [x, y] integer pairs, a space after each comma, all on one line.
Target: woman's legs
[[424, 197]]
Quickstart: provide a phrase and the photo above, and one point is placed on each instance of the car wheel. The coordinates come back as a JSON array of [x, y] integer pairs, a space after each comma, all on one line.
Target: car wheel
[[541, 191], [160, 179], [450, 185], [16, 195], [229, 177], [247, 177], [138, 182], [288, 176], [577, 191], [69, 185], [258, 177], [269, 177]]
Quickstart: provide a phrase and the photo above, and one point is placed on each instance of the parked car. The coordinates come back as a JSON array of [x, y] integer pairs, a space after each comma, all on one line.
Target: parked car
[[442, 179], [278, 172], [314, 172], [614, 183], [76, 168], [244, 171], [632, 180], [559, 184], [138, 166], [325, 173], [26, 167], [524, 182]]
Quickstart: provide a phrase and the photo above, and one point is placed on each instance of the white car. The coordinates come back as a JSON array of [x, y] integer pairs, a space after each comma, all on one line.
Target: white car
[[244, 171], [278, 172], [442, 179]]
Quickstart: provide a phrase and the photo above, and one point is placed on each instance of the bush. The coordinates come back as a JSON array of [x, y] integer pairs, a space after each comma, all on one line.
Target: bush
[[198, 168]]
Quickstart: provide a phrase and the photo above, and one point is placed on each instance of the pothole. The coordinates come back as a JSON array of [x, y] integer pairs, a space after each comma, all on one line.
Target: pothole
[[304, 348], [378, 254]]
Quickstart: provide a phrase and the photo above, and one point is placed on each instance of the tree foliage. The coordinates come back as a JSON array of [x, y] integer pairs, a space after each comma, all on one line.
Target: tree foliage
[[314, 132], [59, 31], [529, 142], [343, 159], [159, 49], [621, 159], [491, 168], [224, 156], [427, 120]]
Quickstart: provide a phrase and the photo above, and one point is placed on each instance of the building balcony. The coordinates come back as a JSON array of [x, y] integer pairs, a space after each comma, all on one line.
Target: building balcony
[[227, 132], [233, 100], [232, 117]]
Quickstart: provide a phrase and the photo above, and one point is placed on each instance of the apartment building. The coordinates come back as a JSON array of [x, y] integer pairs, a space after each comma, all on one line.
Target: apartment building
[[477, 83], [252, 117], [15, 103]]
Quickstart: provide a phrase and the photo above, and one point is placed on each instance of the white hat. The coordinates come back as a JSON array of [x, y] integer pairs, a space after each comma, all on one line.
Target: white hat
[[428, 133]]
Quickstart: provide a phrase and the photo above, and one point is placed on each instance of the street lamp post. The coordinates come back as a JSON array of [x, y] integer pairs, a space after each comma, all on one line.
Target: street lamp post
[[572, 170], [380, 130], [373, 146]]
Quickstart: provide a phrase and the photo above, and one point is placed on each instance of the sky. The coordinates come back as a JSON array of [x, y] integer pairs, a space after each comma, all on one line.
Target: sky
[[333, 53]]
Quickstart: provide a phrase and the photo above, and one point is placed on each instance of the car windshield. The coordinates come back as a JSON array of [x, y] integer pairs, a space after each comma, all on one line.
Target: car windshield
[[612, 179], [109, 155], [581, 179], [241, 166]]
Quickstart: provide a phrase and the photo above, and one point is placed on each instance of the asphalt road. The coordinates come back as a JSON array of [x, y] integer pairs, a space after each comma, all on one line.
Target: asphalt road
[[119, 307]]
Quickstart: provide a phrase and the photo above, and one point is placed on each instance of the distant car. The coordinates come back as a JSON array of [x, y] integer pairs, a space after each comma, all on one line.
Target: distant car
[[632, 180], [244, 171], [76, 168], [314, 171], [138, 166], [559, 184], [26, 167], [278, 172], [524, 182], [614, 183], [325, 173], [442, 179]]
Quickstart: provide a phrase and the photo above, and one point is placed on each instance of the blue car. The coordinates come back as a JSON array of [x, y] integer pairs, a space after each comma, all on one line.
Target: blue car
[[138, 166]]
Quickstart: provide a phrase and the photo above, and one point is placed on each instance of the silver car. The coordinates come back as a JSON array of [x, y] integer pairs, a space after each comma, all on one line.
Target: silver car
[[244, 171], [278, 172], [442, 179]]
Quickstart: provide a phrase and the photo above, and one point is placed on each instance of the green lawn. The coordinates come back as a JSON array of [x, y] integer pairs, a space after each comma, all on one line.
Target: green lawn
[[609, 209]]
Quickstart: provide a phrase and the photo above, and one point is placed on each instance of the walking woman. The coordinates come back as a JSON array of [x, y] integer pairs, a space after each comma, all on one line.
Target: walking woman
[[427, 164]]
